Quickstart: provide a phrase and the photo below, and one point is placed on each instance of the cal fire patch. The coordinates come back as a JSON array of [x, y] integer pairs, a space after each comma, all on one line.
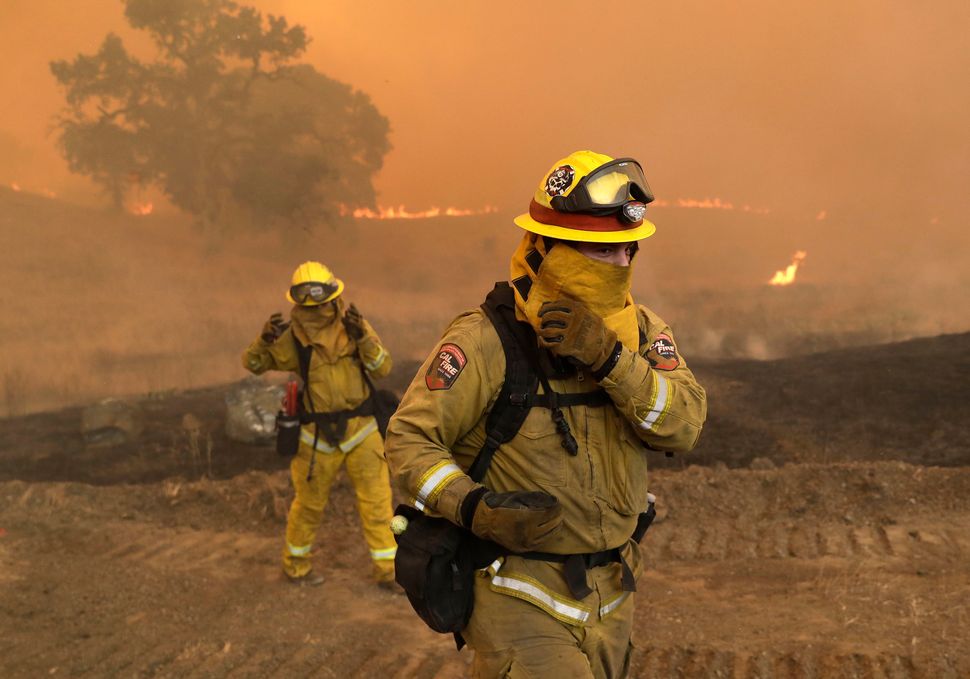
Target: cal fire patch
[[662, 353], [445, 368]]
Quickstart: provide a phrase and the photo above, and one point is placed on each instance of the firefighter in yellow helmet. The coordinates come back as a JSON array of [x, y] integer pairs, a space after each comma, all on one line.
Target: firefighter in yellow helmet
[[531, 424], [330, 346]]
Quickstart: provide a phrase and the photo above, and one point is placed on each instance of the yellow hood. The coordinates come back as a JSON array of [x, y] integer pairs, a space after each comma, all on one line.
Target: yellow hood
[[321, 327]]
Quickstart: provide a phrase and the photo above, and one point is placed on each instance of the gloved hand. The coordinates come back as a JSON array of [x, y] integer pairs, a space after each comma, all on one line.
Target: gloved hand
[[273, 328], [569, 329], [519, 521], [354, 323]]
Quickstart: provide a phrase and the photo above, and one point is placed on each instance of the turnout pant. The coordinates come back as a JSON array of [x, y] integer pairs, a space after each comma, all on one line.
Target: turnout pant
[[368, 473], [515, 639]]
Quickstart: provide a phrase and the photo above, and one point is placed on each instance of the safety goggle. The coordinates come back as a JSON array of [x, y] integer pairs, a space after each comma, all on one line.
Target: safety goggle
[[606, 189], [312, 291]]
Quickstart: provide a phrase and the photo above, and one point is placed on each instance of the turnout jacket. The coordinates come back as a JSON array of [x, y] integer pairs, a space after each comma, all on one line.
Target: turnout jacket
[[335, 379], [440, 427]]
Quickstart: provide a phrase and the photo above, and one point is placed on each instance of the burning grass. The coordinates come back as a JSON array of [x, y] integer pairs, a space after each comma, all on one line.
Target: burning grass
[[98, 304]]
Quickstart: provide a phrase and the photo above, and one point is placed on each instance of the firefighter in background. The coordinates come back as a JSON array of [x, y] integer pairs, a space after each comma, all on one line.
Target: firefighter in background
[[336, 345], [564, 495]]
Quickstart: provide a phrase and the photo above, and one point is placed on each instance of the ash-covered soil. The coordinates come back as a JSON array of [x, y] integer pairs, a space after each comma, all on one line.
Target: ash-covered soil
[[822, 529], [907, 401]]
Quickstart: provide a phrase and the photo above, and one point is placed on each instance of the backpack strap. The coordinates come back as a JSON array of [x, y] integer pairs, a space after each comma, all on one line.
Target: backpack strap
[[521, 382], [591, 399], [523, 373], [303, 356]]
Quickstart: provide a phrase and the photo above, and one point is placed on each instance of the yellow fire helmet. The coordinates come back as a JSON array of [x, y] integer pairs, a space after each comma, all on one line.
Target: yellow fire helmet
[[591, 197], [313, 284]]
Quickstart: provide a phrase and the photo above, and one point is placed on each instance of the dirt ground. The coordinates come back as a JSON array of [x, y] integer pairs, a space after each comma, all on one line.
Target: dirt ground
[[804, 540]]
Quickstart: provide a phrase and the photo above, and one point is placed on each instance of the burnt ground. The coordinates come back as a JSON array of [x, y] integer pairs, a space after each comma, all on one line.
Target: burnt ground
[[906, 401], [821, 529]]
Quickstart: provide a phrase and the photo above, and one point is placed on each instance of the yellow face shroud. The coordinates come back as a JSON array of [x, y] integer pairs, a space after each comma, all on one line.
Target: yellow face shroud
[[566, 272]]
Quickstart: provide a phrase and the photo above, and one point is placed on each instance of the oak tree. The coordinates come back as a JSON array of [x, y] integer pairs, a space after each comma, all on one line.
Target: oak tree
[[225, 120]]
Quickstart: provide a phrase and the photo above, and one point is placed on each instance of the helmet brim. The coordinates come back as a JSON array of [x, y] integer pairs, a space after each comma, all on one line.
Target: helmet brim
[[644, 230], [340, 289]]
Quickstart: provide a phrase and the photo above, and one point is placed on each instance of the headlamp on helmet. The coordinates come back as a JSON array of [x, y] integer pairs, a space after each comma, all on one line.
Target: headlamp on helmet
[[617, 186]]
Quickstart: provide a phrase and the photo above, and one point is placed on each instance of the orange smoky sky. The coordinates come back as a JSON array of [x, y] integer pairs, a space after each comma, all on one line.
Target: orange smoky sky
[[850, 107]]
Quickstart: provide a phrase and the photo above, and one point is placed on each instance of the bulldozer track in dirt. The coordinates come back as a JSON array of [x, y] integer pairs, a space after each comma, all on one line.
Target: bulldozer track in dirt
[[710, 663], [772, 541], [113, 658], [182, 580], [191, 549], [198, 661], [194, 549]]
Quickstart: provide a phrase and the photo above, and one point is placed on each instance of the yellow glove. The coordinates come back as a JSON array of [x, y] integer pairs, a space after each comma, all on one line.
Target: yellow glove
[[569, 329]]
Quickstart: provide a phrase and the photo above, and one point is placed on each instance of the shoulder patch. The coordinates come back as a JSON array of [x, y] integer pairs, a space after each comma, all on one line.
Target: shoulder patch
[[445, 368], [662, 353]]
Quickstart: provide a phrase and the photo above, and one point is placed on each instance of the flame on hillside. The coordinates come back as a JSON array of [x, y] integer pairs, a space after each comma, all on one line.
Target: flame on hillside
[[400, 212], [787, 277], [142, 209], [46, 192], [708, 204]]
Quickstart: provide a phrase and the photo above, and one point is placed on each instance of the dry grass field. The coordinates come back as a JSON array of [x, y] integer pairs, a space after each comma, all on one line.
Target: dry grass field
[[96, 303]]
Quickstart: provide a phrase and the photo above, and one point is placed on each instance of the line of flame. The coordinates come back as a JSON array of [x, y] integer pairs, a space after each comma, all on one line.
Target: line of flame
[[46, 192], [400, 212], [787, 277]]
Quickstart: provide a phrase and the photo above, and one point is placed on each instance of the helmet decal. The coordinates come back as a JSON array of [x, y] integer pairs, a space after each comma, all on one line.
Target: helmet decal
[[559, 180]]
